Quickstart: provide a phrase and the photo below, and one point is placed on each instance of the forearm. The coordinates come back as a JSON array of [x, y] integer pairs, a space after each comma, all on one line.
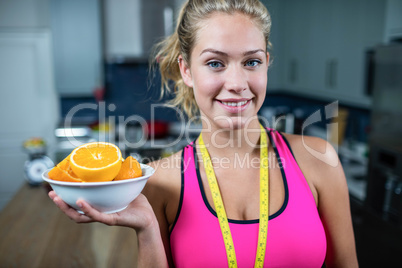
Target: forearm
[[151, 252]]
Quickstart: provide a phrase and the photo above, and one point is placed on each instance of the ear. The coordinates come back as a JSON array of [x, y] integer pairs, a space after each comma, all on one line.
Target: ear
[[185, 72], [268, 58]]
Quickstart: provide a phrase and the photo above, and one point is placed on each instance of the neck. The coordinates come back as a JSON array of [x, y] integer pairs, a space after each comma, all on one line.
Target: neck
[[227, 142]]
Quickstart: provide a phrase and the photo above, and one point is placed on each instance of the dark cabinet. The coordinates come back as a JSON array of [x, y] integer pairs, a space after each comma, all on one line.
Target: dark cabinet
[[385, 164]]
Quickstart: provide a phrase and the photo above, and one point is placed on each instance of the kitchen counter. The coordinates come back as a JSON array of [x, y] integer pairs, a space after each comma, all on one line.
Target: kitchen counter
[[356, 177], [35, 233], [355, 167]]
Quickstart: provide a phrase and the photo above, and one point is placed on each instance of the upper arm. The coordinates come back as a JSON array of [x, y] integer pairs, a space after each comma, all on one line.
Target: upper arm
[[157, 202], [334, 209], [320, 164], [163, 191]]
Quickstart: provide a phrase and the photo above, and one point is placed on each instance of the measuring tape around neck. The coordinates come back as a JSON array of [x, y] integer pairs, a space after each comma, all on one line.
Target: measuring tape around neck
[[220, 209]]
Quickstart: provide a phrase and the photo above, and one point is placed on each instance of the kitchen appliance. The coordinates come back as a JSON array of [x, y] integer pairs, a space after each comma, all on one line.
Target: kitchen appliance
[[38, 161], [68, 138], [384, 187]]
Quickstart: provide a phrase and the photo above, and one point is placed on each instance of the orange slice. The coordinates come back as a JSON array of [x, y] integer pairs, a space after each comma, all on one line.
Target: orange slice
[[96, 161], [129, 169], [63, 172]]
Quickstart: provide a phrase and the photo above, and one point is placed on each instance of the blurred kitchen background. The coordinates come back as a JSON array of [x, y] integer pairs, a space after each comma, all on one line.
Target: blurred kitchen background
[[80, 67]]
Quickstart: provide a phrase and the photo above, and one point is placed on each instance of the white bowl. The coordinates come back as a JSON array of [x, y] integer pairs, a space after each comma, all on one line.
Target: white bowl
[[107, 197]]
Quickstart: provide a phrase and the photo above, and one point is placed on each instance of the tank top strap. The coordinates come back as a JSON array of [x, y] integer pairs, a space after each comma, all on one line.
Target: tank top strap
[[288, 162]]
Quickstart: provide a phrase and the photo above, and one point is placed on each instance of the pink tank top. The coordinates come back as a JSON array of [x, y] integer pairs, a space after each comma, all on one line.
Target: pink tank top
[[296, 236]]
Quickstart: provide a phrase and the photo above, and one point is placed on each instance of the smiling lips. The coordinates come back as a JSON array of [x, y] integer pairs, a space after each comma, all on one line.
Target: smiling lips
[[234, 106]]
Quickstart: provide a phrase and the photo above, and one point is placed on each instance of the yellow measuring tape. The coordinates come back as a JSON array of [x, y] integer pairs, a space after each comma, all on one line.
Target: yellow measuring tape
[[220, 209]]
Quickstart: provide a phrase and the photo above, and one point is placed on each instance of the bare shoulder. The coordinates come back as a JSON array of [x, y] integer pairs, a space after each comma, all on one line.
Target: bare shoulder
[[313, 150], [167, 166], [167, 170], [165, 183], [319, 162]]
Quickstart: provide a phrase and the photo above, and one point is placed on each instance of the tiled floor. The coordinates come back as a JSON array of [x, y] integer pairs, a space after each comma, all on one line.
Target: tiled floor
[[378, 243]]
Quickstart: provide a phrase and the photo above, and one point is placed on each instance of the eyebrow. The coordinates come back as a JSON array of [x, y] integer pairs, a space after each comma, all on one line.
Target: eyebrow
[[210, 50]]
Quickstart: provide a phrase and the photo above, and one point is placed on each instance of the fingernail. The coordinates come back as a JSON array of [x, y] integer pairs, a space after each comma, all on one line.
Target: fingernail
[[79, 204]]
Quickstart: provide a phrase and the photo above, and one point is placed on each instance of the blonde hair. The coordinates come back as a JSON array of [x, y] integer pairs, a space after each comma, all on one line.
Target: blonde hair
[[182, 41]]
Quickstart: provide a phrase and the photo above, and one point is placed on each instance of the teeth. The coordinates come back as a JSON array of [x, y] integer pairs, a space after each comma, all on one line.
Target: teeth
[[234, 104]]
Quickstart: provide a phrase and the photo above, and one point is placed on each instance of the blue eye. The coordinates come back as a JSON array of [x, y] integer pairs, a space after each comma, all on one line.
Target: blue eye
[[215, 64], [252, 63]]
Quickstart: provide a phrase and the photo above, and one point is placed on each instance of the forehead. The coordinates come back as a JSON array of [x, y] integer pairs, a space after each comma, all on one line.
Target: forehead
[[230, 33]]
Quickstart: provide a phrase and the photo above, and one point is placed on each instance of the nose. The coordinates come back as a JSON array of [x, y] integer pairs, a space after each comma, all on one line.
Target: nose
[[236, 79]]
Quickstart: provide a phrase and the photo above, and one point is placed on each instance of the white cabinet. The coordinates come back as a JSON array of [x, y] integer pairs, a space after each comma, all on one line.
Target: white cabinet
[[297, 44], [276, 63], [323, 46], [28, 101], [122, 28], [132, 27], [357, 26], [24, 14], [393, 22], [77, 42]]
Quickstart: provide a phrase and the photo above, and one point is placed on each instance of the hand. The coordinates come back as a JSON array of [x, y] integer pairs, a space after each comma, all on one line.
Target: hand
[[138, 215]]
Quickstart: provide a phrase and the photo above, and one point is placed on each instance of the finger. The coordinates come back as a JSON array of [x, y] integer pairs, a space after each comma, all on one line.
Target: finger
[[109, 219], [52, 194], [71, 212]]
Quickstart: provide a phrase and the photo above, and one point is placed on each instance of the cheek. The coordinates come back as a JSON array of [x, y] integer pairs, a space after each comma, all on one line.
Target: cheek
[[259, 89], [259, 84], [206, 85]]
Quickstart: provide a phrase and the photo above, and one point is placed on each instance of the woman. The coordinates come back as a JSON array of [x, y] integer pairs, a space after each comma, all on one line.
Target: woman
[[218, 60]]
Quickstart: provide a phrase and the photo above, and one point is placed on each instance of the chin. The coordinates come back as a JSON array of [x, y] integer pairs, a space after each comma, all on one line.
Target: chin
[[232, 123]]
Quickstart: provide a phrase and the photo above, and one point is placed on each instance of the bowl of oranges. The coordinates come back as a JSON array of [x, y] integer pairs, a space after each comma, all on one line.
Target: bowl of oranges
[[97, 173]]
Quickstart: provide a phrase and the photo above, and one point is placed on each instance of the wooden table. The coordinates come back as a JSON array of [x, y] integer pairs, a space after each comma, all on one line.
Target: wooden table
[[35, 233]]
